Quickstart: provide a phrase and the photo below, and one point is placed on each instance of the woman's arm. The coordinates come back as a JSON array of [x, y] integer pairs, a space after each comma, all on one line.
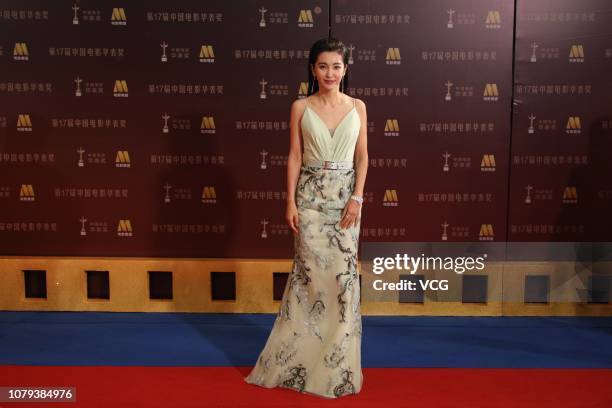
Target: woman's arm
[[294, 161], [351, 211], [361, 150]]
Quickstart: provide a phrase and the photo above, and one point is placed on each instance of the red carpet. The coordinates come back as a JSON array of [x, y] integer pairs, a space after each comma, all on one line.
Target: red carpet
[[383, 387]]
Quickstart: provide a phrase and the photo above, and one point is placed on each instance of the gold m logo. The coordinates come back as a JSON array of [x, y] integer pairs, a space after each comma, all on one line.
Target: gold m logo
[[207, 54], [118, 16], [493, 19], [303, 90], [24, 124], [124, 228], [209, 194], [488, 162], [390, 196], [391, 125], [26, 193], [576, 52], [120, 86], [122, 159], [486, 232], [393, 54], [305, 18], [208, 124], [573, 125], [20, 52], [120, 89], [570, 195], [491, 92]]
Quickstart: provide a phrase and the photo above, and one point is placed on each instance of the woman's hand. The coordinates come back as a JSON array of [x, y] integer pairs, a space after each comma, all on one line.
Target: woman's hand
[[291, 217], [350, 214]]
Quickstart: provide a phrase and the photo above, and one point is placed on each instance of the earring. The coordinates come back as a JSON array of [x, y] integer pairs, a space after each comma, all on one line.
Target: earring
[[312, 86]]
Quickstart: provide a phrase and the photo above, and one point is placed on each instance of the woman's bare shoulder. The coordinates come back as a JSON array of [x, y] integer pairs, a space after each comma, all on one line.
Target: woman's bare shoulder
[[298, 106], [360, 105]]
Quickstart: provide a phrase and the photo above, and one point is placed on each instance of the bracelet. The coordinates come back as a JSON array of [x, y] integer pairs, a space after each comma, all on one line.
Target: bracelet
[[359, 199]]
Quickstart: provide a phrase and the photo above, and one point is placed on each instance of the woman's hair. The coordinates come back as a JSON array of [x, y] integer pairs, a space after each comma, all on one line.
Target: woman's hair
[[323, 45]]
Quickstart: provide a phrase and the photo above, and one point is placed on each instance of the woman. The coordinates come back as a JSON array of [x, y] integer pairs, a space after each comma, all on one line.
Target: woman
[[315, 344]]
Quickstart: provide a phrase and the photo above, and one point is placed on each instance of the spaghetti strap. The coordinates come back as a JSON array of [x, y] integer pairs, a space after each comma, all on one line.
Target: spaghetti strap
[[353, 102]]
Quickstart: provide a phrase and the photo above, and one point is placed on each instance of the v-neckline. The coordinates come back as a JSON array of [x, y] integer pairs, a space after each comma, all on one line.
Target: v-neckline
[[337, 126]]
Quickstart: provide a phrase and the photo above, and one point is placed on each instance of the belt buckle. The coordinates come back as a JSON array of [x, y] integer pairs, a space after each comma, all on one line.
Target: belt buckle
[[330, 165]]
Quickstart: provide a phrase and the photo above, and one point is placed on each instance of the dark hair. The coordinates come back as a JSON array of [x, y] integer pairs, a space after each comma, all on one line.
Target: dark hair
[[323, 45]]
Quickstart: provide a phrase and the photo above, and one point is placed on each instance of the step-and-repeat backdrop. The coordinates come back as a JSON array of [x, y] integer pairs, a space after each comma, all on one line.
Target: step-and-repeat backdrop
[[162, 129]]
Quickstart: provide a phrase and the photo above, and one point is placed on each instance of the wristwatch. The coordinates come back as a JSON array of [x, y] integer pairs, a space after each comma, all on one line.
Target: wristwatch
[[357, 198]]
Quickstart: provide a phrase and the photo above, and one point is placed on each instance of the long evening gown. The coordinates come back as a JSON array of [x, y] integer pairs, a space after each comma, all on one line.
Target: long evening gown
[[315, 344]]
